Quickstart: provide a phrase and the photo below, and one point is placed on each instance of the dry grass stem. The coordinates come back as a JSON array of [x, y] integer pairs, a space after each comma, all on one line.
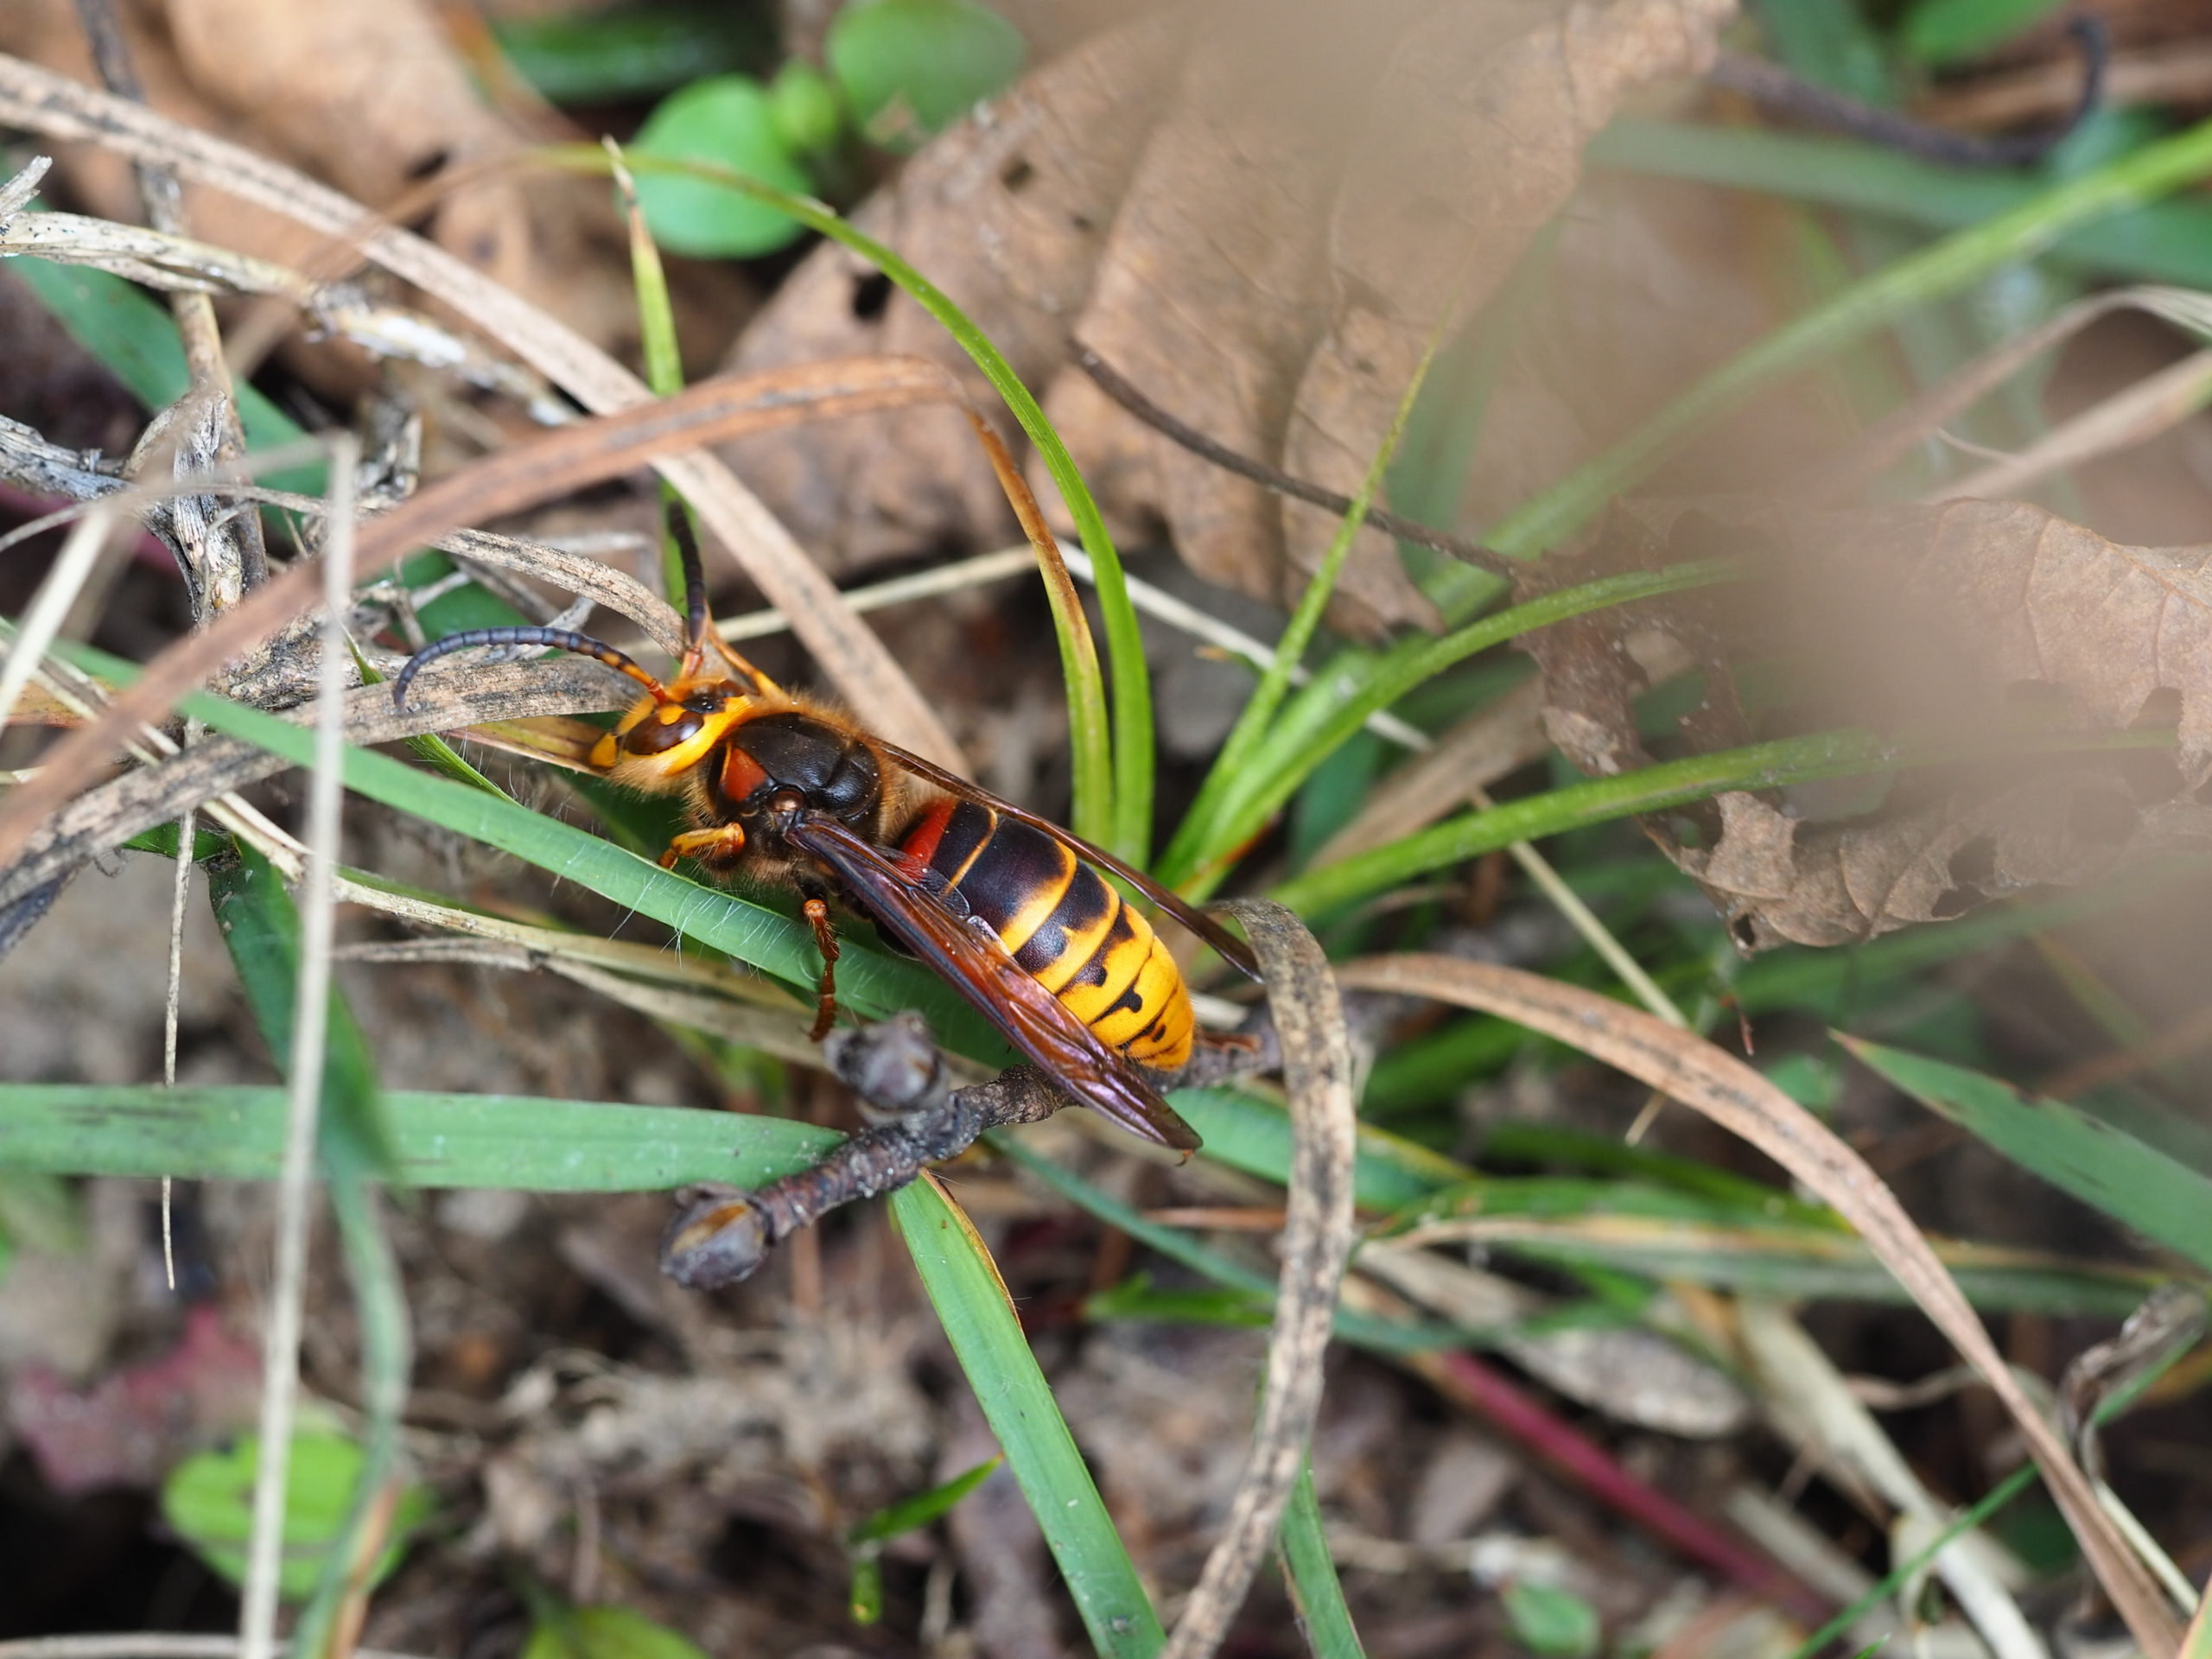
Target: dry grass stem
[[1893, 437], [2156, 403], [280, 1361], [1317, 1240]]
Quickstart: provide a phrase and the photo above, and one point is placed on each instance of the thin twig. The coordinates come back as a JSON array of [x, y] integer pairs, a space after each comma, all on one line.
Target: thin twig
[[1775, 89], [1110, 381], [179, 895], [1316, 1243], [197, 329], [280, 1377]]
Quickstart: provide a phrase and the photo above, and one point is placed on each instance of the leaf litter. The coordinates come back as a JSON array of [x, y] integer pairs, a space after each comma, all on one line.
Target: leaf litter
[[1116, 196], [1297, 382]]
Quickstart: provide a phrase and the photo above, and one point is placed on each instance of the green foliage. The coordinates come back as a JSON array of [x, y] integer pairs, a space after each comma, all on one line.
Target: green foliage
[[208, 1500], [728, 120], [866, 1538], [604, 1632], [261, 927], [909, 68], [1939, 32], [1551, 1621], [803, 103], [2103, 1166], [606, 55]]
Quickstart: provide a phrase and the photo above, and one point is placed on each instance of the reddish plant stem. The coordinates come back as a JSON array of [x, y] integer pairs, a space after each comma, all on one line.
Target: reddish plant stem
[[1526, 1421]]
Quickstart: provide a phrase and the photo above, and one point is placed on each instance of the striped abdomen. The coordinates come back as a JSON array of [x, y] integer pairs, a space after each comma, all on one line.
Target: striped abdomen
[[1064, 925]]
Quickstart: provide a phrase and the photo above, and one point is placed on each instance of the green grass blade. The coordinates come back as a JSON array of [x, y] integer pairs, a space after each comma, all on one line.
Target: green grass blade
[[1600, 800], [2104, 1166], [1113, 761], [1943, 269], [1312, 1574], [387, 1359], [910, 1513], [523, 1142], [1254, 718], [662, 360], [971, 1302], [1339, 700], [261, 928], [2167, 241], [1383, 1336], [1249, 1133], [1651, 789]]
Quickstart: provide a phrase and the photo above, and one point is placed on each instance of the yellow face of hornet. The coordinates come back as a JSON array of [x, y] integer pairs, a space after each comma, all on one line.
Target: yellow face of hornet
[[663, 740]]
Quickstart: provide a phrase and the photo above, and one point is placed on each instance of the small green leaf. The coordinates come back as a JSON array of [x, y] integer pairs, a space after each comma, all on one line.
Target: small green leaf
[[605, 1632], [912, 67], [810, 116], [612, 55], [208, 1499], [725, 119], [1135, 1298], [1555, 1622], [1936, 32], [910, 1513], [865, 1600], [40, 1210], [2134, 1184]]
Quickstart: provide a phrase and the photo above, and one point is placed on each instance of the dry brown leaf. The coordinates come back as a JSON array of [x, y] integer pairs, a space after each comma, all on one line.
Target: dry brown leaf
[[1689, 1069], [1982, 620], [1257, 216]]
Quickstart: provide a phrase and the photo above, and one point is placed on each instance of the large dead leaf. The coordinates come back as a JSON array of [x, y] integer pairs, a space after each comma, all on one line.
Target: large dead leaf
[[1987, 621], [1256, 214]]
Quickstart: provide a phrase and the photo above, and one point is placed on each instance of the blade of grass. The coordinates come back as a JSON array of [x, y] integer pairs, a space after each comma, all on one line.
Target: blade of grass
[[525, 1143], [2168, 241], [662, 360], [971, 1303], [2102, 1165], [1649, 789], [1340, 699], [1943, 269], [1315, 1591], [1254, 719], [332, 1619], [1113, 761]]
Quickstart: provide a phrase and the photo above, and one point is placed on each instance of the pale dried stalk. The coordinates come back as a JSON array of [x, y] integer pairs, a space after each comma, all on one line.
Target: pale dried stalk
[[280, 1359], [43, 617], [180, 265], [1890, 439], [1317, 1240], [2156, 403]]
